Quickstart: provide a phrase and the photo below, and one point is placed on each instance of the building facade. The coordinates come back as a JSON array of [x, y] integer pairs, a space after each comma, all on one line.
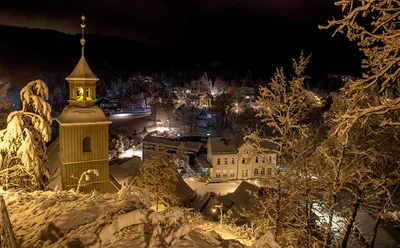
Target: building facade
[[232, 159]]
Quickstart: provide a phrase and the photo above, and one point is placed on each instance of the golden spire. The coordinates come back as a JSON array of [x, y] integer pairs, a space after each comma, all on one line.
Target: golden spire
[[83, 41]]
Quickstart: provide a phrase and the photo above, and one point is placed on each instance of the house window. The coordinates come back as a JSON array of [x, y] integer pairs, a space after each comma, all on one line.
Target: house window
[[232, 174], [269, 171], [255, 172], [242, 173], [256, 159], [243, 160], [270, 159], [225, 173], [218, 161], [86, 144], [246, 174], [226, 160], [233, 160], [217, 173], [262, 171], [263, 160]]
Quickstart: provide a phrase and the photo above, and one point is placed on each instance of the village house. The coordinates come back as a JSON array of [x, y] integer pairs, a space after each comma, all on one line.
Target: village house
[[171, 146], [230, 159]]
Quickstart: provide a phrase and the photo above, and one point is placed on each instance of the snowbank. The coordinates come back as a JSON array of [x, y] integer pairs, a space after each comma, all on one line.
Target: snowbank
[[65, 219]]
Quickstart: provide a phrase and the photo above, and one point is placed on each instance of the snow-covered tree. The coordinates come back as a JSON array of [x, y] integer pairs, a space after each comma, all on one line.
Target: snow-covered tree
[[219, 86], [157, 176], [284, 106], [370, 104], [23, 143], [4, 103], [223, 107], [203, 83]]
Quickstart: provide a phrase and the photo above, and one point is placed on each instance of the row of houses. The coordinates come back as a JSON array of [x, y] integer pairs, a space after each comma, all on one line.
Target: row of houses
[[222, 159]]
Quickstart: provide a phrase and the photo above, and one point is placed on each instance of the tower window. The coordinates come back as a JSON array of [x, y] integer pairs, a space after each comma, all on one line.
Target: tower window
[[86, 144]]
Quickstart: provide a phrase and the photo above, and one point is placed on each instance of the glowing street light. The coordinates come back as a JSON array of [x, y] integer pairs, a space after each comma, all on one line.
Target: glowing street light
[[214, 210]]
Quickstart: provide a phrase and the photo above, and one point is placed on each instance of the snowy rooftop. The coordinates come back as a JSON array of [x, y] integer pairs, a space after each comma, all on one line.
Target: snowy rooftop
[[224, 145], [221, 145], [188, 145], [125, 170], [82, 71], [74, 115], [202, 160]]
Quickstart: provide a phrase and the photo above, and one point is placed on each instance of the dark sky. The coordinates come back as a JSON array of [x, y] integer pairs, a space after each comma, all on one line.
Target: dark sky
[[160, 21], [244, 34]]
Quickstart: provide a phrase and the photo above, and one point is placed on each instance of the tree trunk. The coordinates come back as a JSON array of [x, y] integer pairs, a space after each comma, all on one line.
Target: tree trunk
[[6, 232], [278, 207], [330, 220], [157, 204], [350, 221], [371, 242]]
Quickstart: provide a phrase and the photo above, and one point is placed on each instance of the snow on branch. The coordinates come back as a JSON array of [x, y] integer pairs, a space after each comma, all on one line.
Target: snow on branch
[[23, 142]]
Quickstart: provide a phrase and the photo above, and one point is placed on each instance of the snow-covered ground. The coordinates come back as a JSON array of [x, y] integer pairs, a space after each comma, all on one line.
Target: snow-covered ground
[[66, 219], [218, 188]]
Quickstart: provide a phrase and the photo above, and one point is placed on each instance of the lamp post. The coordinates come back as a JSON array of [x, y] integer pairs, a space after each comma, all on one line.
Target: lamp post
[[220, 209]]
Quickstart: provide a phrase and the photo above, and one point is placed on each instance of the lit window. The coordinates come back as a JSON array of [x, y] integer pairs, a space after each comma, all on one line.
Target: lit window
[[233, 160], [217, 173], [256, 159], [226, 160], [218, 161], [255, 172], [225, 173], [232, 174], [262, 171], [86, 144], [269, 171]]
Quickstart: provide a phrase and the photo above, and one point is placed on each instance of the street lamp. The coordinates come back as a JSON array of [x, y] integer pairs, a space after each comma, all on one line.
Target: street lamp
[[215, 210]]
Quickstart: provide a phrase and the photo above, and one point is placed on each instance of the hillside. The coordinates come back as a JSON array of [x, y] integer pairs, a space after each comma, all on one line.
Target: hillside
[[66, 219]]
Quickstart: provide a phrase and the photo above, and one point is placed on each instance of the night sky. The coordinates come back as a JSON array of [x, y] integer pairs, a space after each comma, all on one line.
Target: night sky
[[245, 32]]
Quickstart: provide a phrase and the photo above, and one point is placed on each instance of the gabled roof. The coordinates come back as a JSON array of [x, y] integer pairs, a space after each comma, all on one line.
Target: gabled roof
[[202, 160], [82, 71], [224, 145], [187, 145]]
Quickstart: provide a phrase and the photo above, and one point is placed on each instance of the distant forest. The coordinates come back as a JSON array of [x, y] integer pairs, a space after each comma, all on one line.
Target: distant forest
[[27, 54]]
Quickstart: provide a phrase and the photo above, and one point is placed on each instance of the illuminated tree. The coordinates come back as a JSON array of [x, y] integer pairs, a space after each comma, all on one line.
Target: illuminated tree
[[23, 143], [369, 105], [157, 176], [284, 106], [4, 103]]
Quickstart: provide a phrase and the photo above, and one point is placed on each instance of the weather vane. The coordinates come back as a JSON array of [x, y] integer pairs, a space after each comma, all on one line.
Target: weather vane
[[83, 25]]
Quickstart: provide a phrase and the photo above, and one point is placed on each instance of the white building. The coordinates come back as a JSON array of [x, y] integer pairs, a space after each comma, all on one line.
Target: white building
[[230, 159]]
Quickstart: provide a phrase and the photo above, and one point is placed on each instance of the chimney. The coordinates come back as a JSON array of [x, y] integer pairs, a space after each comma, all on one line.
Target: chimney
[[226, 141]]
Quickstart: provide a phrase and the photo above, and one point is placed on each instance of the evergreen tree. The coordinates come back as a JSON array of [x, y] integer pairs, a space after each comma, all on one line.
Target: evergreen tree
[[23, 143]]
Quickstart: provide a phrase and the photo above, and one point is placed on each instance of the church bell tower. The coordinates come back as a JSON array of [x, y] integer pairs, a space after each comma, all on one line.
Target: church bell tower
[[83, 129]]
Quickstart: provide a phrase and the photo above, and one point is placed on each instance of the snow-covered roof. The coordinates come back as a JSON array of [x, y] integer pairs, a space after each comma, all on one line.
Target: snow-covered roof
[[81, 72], [242, 197], [187, 145], [202, 160], [221, 145], [387, 235], [125, 170], [74, 115]]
